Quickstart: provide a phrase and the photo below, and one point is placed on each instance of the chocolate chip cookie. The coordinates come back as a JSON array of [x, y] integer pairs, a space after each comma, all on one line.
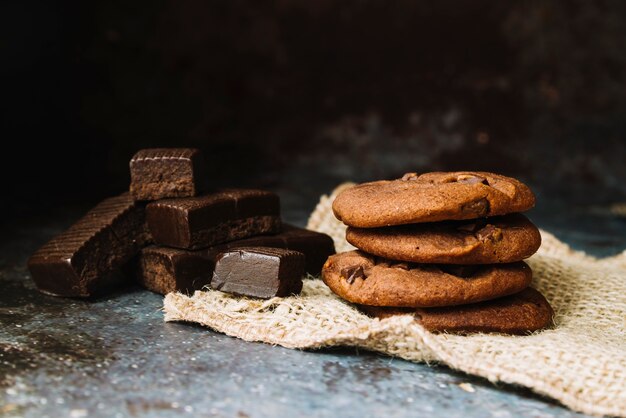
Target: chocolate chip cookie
[[501, 239], [368, 280], [431, 197], [520, 313]]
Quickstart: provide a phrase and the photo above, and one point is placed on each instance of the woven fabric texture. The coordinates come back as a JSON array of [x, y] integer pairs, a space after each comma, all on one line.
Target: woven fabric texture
[[580, 362]]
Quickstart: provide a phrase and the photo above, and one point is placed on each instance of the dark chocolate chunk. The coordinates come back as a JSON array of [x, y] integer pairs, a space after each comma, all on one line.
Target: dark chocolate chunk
[[315, 246], [489, 232], [261, 272], [199, 222], [477, 208], [353, 273], [469, 179], [159, 173], [86, 259], [249, 203], [165, 270]]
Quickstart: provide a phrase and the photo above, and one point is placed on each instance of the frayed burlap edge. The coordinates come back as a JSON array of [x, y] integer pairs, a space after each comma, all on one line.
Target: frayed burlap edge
[[581, 362]]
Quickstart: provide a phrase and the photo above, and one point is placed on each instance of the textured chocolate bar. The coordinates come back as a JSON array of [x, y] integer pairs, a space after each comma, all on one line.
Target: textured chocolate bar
[[165, 270], [261, 272], [159, 173], [199, 222], [86, 259]]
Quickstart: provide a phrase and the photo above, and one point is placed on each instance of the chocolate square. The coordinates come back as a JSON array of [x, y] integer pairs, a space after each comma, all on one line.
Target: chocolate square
[[261, 272], [158, 173]]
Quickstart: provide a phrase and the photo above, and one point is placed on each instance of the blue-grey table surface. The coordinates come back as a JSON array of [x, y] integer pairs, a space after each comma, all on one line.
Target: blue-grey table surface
[[116, 357]]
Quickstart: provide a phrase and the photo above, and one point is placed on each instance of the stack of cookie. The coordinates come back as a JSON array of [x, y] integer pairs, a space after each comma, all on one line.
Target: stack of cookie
[[446, 246]]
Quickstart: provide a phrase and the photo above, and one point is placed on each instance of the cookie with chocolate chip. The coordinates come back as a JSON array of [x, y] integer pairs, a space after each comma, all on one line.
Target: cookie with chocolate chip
[[521, 313], [501, 239], [431, 197], [368, 280]]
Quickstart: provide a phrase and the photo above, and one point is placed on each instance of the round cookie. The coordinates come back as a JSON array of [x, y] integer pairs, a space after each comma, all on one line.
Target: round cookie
[[501, 239], [431, 197], [520, 313], [360, 278]]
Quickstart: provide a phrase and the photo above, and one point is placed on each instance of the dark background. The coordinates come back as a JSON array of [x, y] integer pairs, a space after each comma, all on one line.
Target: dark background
[[297, 96]]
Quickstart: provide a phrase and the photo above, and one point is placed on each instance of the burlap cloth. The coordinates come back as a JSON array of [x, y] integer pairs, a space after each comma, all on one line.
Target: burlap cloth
[[581, 362]]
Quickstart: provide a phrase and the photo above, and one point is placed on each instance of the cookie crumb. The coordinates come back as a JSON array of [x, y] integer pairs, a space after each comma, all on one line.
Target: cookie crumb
[[410, 177], [467, 387]]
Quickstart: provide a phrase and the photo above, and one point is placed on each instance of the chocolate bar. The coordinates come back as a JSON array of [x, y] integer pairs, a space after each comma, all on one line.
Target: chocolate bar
[[159, 173], [86, 259], [261, 272], [165, 270], [227, 215], [316, 247]]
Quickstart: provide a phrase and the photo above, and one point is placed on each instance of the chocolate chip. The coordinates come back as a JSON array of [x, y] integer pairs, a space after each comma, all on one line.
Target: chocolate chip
[[478, 207], [465, 179], [410, 177], [489, 232], [352, 273], [462, 271]]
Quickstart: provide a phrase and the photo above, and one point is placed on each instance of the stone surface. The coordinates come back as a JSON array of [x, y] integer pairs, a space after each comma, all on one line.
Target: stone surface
[[116, 357]]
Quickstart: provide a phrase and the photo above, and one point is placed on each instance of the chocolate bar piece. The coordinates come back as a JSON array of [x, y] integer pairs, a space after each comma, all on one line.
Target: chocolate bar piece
[[260, 272], [227, 215], [86, 259], [159, 173], [165, 270], [315, 246]]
